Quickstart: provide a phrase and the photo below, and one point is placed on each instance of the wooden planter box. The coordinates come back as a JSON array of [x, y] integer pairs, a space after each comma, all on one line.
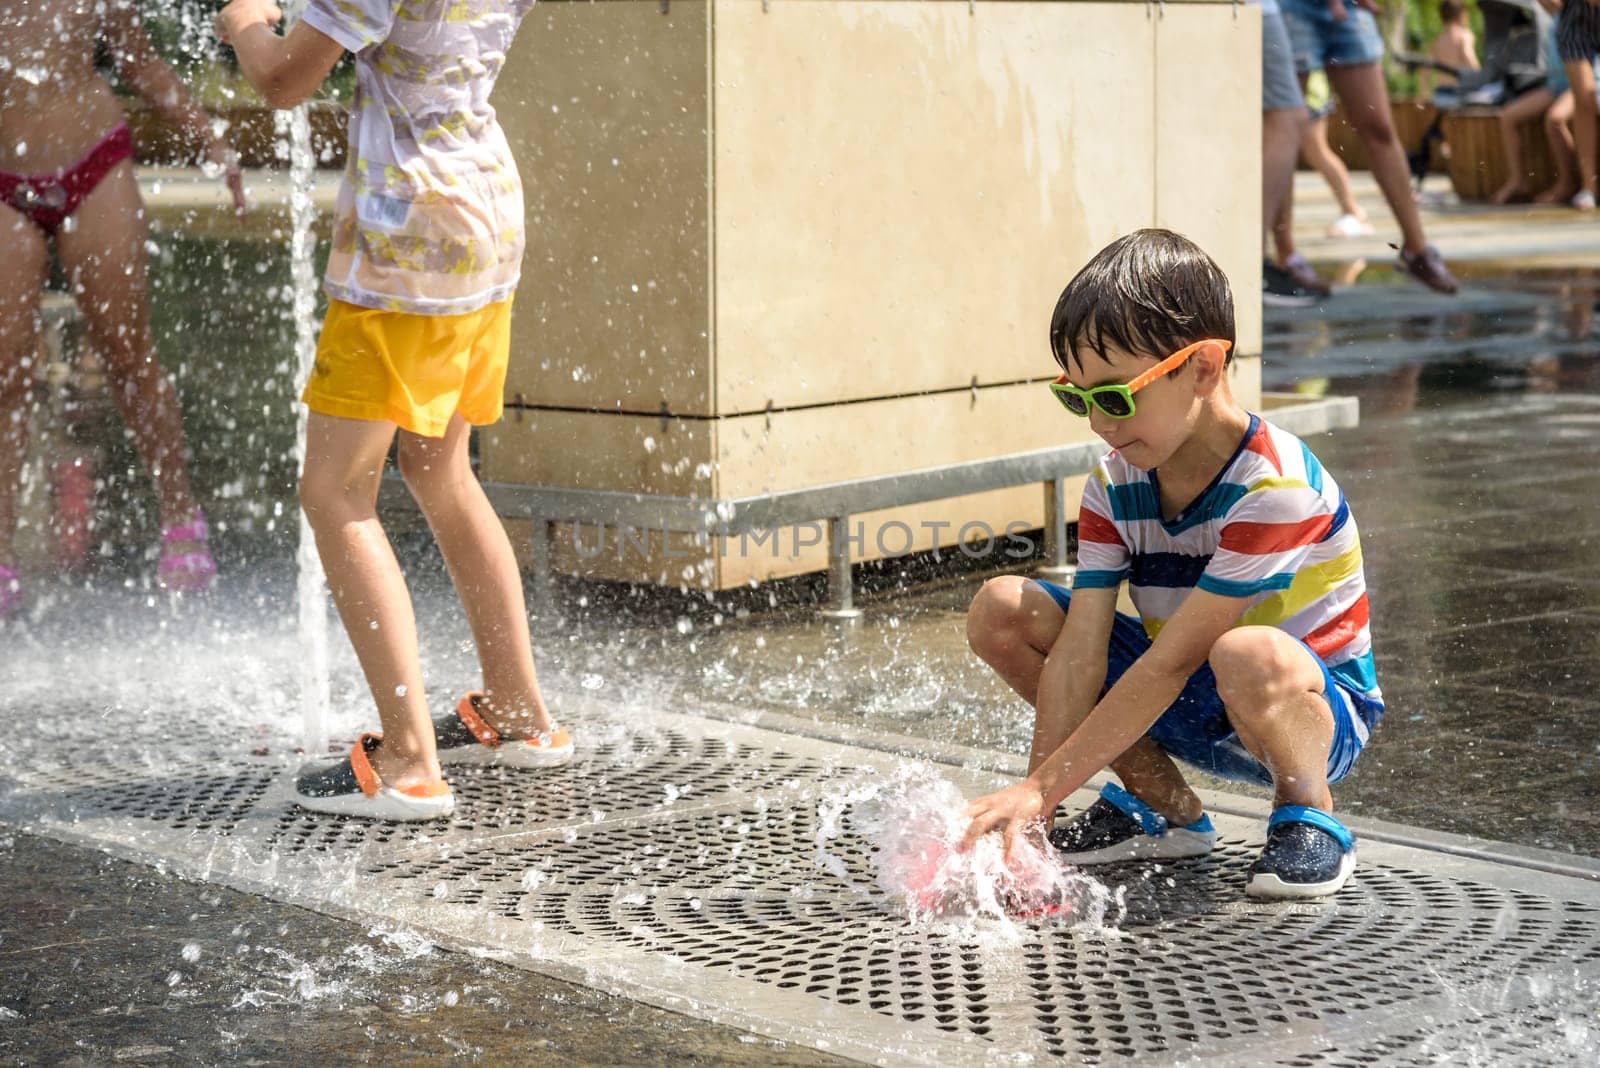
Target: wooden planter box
[[1478, 165], [251, 131]]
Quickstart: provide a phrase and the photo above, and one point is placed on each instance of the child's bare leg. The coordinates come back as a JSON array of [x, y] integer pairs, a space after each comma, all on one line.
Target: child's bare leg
[[1558, 132], [22, 273], [1512, 116], [1581, 76], [104, 255], [1361, 90], [1272, 689], [1012, 625], [339, 492], [484, 570], [1314, 146]]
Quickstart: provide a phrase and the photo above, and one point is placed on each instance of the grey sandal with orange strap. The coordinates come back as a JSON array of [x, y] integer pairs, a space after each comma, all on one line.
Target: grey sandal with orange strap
[[465, 737], [351, 787]]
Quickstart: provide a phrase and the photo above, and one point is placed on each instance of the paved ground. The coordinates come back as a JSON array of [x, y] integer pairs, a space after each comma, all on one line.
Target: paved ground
[[1471, 478]]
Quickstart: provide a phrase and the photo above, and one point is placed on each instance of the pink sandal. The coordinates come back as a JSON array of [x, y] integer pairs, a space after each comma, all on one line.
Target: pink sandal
[[181, 572], [10, 593]]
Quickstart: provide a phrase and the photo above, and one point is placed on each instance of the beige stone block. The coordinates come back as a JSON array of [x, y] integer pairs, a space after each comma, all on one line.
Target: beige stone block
[[1208, 143], [900, 200], [606, 108], [814, 446], [602, 451]]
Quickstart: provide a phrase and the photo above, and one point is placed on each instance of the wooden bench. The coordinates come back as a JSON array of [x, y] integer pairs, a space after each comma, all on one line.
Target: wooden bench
[[1478, 165]]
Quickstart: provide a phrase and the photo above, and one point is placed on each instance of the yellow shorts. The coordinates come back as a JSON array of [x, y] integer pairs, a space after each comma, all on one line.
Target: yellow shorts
[[414, 370]]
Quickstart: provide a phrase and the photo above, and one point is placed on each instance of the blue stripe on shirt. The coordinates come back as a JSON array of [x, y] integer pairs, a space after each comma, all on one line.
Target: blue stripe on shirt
[[1098, 580], [1230, 588], [1171, 570]]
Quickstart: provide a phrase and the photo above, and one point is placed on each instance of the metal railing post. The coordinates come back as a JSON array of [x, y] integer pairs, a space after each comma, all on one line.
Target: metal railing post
[[1058, 565], [841, 604]]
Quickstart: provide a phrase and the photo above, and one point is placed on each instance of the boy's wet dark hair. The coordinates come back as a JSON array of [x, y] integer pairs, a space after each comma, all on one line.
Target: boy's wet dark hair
[[1150, 293], [1451, 10]]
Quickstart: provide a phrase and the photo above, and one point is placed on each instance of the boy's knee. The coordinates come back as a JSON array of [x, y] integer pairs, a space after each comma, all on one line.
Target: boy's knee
[[995, 615], [1253, 667]]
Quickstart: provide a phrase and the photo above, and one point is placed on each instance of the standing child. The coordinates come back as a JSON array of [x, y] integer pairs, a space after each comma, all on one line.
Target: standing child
[[427, 251], [1250, 658]]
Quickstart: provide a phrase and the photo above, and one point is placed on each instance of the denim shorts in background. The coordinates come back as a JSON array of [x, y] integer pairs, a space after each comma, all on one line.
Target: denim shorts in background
[[1195, 728], [1280, 89], [1320, 42]]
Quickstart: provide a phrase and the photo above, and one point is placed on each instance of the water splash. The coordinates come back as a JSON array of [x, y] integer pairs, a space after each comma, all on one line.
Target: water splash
[[312, 585], [915, 819]]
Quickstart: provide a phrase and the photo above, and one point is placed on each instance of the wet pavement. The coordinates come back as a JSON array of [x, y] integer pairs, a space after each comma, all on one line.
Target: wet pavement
[[1472, 478]]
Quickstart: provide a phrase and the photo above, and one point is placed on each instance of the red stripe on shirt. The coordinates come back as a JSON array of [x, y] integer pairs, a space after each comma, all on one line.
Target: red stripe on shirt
[[1092, 526], [1339, 631], [1261, 445], [1258, 539]]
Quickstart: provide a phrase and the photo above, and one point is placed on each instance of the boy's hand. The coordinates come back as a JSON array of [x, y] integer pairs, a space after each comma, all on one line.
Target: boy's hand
[[242, 13], [1012, 810]]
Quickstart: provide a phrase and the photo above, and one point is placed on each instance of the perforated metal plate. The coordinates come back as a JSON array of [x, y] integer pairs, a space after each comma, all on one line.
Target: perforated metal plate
[[676, 861]]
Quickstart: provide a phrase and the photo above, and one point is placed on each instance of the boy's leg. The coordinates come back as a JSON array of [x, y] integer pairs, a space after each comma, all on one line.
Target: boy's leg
[[339, 492], [1581, 74], [1272, 687], [1012, 625], [22, 273], [484, 569]]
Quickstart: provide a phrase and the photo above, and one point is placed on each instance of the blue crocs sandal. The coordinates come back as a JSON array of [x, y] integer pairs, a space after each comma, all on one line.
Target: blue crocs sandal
[[1118, 826], [351, 787], [1308, 854]]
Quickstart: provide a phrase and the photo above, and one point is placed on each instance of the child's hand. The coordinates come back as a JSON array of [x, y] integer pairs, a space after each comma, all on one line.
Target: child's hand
[[243, 13], [1012, 811]]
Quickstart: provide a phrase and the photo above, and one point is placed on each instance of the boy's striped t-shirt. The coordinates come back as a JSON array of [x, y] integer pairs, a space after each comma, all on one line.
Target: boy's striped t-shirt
[[1273, 527]]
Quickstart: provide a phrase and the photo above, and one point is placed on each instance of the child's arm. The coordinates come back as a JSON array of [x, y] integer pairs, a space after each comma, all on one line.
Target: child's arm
[[146, 73], [284, 70], [1074, 672], [1121, 718]]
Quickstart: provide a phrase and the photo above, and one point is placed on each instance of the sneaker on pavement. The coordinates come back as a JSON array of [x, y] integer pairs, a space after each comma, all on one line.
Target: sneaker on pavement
[[1428, 268], [1583, 200], [1305, 275], [1308, 854], [1349, 226], [1281, 291], [1118, 826]]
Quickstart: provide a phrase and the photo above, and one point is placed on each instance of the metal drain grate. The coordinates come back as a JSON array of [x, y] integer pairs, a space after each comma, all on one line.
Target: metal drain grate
[[676, 861]]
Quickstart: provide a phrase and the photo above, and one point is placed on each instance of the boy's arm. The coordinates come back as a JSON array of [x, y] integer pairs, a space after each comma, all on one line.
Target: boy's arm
[[1121, 718], [147, 74], [1074, 671], [284, 70]]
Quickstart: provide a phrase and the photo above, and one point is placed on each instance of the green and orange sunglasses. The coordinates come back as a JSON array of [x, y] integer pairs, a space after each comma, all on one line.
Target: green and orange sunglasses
[[1116, 399]]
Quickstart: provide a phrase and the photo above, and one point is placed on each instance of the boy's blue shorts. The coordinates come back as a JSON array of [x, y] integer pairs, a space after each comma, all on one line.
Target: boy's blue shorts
[[1195, 728]]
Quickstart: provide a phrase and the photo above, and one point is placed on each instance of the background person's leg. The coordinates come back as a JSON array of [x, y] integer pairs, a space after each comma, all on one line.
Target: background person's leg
[[1558, 132], [339, 492], [483, 568], [104, 255], [1580, 73], [1272, 689], [1360, 89], [22, 274], [1314, 146], [1524, 108]]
